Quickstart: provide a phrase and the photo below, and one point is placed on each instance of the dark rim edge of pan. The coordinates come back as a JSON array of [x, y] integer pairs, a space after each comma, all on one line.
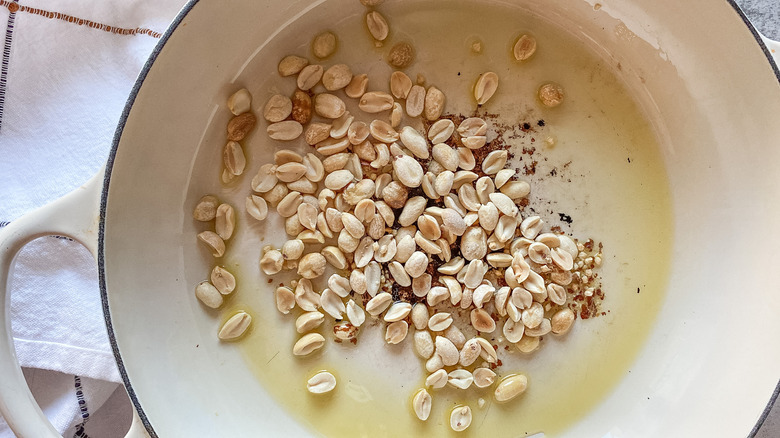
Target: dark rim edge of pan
[[107, 179], [104, 201]]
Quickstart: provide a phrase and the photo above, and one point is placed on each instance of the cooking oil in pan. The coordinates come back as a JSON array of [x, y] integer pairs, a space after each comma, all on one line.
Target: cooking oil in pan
[[596, 170]]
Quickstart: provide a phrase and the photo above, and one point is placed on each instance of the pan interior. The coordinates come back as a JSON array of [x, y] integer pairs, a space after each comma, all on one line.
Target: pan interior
[[635, 124], [605, 173]]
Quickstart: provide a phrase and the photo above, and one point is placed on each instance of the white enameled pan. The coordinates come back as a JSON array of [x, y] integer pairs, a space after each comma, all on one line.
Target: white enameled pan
[[709, 362]]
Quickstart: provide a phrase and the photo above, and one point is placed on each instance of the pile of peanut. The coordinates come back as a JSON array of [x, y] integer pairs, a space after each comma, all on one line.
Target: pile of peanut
[[399, 225]]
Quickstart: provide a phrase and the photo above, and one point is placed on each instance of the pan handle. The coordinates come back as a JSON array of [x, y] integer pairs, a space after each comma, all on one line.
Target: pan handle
[[75, 215], [137, 428]]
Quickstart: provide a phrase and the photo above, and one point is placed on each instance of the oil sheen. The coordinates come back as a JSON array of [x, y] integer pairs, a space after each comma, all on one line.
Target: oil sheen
[[605, 172]]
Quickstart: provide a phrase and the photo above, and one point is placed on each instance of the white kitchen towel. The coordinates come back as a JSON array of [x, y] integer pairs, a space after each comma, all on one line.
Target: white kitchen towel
[[66, 70], [71, 402]]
